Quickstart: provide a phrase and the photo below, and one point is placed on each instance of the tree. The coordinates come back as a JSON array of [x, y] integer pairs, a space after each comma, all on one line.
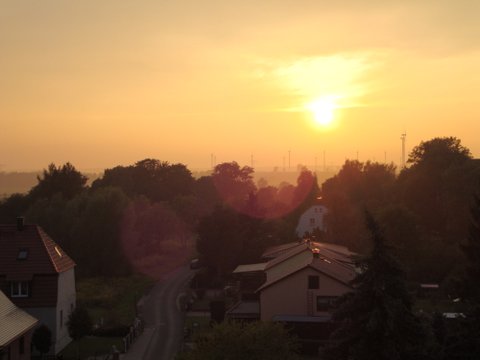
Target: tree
[[234, 183], [79, 323], [376, 321], [438, 186], [466, 345], [157, 180], [227, 239], [356, 186], [438, 152], [237, 341], [42, 339], [64, 179]]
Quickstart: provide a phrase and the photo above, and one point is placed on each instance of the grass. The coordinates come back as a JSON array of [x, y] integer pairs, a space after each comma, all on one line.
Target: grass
[[112, 299], [91, 346]]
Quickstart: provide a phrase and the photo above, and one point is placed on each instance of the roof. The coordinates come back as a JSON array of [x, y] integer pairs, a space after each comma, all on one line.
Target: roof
[[274, 251], [30, 251], [245, 309], [14, 322], [249, 268], [302, 318], [335, 269], [334, 252]]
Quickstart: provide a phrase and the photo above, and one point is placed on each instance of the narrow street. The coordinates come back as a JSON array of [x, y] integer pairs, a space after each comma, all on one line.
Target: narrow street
[[162, 312]]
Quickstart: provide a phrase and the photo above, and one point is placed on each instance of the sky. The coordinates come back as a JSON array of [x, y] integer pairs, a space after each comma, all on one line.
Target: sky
[[111, 82]]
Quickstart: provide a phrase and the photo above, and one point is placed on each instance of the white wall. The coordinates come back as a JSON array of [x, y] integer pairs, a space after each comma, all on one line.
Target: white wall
[[65, 302], [311, 219]]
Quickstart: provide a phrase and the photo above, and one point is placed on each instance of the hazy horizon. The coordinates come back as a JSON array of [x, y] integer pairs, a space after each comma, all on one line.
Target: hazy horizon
[[109, 83]]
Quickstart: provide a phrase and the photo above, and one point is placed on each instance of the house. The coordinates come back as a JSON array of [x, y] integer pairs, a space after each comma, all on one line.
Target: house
[[16, 328], [311, 219], [38, 277], [300, 280], [302, 283]]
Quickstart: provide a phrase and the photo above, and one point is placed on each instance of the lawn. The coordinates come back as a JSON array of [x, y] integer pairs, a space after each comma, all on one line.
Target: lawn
[[91, 346], [112, 299]]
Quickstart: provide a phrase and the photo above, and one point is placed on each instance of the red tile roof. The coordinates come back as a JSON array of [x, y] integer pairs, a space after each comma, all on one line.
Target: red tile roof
[[44, 256]]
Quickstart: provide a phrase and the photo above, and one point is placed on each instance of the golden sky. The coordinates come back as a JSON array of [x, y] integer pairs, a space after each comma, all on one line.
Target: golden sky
[[107, 82]]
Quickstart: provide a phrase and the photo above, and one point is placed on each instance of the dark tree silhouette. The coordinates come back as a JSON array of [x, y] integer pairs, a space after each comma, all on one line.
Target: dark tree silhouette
[[376, 320], [155, 179], [234, 183], [466, 344], [64, 179], [79, 323], [42, 339]]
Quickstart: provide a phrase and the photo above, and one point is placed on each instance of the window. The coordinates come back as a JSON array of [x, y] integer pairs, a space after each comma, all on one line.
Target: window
[[61, 319], [312, 221], [325, 303], [313, 282], [21, 345], [19, 289], [22, 254]]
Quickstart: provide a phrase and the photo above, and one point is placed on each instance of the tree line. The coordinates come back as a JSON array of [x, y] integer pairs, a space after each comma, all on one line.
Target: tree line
[[148, 212]]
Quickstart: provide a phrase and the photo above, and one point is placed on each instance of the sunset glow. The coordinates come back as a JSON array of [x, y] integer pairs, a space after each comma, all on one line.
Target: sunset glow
[[117, 82], [323, 110]]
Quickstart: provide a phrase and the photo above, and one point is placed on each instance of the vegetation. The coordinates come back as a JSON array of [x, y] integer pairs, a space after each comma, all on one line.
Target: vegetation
[[112, 299], [91, 347], [135, 217], [42, 339], [376, 320], [79, 323], [237, 341]]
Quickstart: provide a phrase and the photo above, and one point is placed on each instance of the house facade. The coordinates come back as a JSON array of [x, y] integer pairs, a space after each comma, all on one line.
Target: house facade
[[16, 329], [313, 218], [304, 290], [39, 277], [299, 283]]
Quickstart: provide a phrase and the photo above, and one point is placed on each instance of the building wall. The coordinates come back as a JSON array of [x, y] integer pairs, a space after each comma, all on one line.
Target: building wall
[[66, 303], [14, 348], [46, 316], [291, 296], [42, 291], [311, 219]]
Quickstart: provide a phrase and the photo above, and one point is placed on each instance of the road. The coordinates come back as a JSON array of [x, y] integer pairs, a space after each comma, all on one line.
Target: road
[[162, 312]]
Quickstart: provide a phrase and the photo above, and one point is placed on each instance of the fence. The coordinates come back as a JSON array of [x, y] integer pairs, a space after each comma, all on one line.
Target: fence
[[135, 330]]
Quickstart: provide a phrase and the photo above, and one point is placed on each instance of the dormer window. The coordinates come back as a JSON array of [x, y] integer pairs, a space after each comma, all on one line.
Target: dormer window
[[22, 254], [19, 289]]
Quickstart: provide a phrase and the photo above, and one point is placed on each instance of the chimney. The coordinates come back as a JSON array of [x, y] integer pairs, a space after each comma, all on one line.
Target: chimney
[[20, 223]]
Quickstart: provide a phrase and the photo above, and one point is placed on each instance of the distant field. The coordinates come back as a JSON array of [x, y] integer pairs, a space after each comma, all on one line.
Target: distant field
[[22, 182]]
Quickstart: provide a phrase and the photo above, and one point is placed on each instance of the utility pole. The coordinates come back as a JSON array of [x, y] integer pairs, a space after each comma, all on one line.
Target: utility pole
[[324, 162], [403, 138]]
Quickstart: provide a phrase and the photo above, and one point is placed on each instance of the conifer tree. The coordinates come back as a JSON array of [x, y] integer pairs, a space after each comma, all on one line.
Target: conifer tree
[[465, 345], [376, 320]]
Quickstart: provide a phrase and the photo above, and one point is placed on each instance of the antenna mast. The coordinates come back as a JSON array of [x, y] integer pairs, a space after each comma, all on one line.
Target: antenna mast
[[403, 138]]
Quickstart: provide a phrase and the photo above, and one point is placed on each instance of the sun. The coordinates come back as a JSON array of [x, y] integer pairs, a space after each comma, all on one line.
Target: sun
[[323, 110]]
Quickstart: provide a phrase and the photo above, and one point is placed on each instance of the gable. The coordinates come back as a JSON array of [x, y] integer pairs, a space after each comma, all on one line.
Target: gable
[[30, 251]]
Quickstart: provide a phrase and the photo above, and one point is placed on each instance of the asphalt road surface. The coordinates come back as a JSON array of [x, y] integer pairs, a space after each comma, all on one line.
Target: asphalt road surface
[[162, 311]]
